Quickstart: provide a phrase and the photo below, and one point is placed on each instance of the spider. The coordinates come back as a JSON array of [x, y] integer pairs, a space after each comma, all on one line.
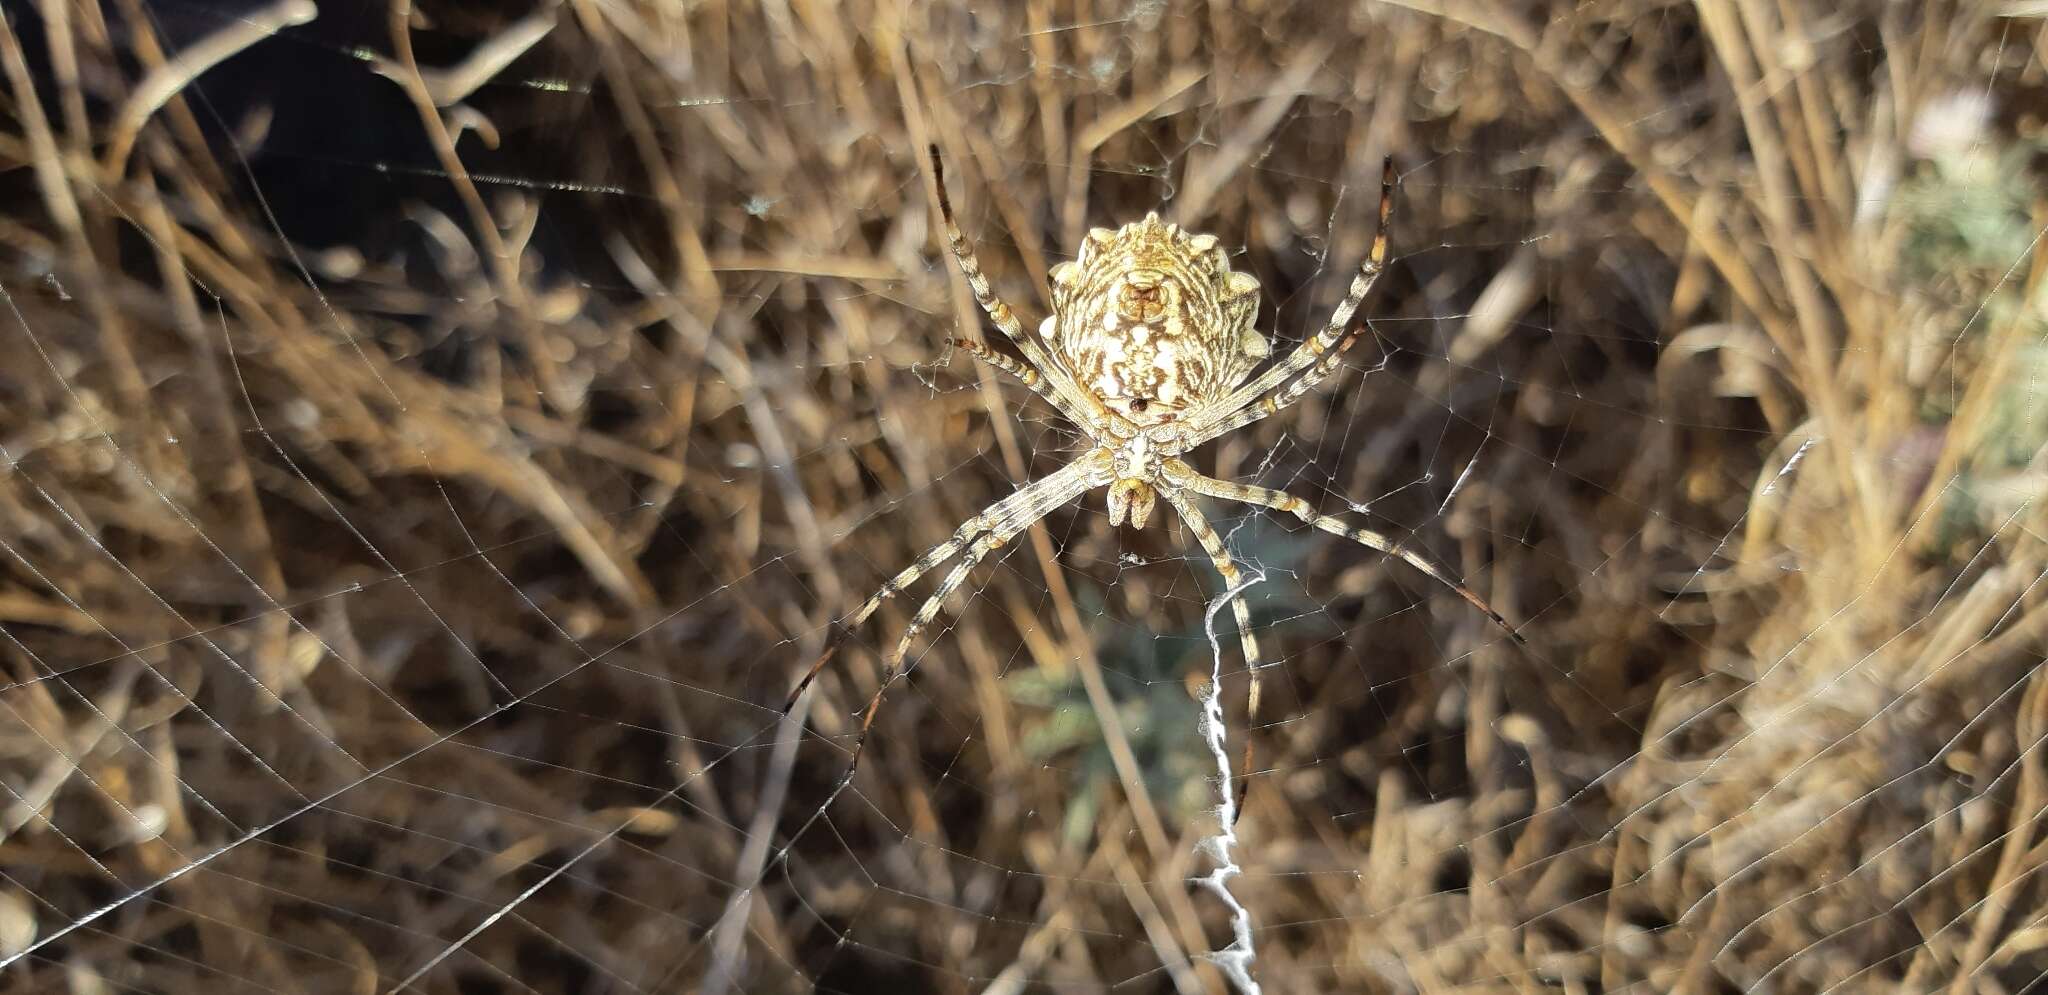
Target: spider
[[1149, 351]]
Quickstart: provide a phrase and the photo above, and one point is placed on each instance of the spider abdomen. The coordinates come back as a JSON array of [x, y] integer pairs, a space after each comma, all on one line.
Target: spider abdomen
[[1152, 320]]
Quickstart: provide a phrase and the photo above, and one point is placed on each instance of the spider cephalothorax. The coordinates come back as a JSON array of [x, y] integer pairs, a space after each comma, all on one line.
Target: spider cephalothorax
[[1152, 320], [1147, 352]]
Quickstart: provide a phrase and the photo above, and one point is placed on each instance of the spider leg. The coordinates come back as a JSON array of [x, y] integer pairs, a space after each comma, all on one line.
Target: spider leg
[[1182, 474], [1271, 404], [1025, 373], [997, 535], [1253, 663], [1072, 402], [1333, 333], [1029, 503]]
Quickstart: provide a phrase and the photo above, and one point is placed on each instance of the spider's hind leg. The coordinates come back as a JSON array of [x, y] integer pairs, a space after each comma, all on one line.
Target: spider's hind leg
[[1054, 386], [1024, 373], [1264, 395]]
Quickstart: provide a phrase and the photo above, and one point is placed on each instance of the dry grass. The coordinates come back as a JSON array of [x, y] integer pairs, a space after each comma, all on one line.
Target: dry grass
[[1735, 308]]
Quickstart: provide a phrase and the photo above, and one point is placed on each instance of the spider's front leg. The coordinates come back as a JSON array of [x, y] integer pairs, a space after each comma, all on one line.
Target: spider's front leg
[[978, 536], [1183, 475], [1022, 507], [1226, 568]]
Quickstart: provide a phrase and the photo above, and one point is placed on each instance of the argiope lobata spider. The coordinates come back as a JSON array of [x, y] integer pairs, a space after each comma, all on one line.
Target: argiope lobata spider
[[1149, 351]]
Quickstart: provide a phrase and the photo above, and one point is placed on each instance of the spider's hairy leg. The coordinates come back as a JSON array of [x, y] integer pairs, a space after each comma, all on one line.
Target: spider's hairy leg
[[1272, 403], [1025, 375], [970, 266], [842, 629], [1062, 392], [1183, 475], [1253, 663], [893, 668], [997, 535], [1025, 505], [1023, 372], [1333, 334]]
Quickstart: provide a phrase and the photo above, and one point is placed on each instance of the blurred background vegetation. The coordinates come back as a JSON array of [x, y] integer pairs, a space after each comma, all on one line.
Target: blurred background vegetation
[[433, 438]]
